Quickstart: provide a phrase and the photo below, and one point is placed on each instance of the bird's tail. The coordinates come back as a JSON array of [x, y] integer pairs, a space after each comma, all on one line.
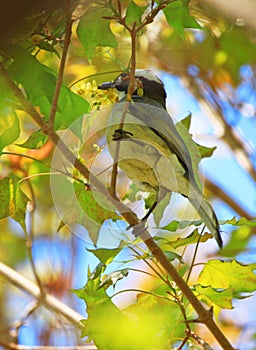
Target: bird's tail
[[208, 215]]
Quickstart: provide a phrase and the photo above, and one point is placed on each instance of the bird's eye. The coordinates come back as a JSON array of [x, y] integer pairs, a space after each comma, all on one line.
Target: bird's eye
[[124, 76]]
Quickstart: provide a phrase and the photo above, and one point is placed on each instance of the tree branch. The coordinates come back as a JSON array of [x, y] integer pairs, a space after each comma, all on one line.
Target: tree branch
[[12, 346], [48, 300], [204, 316]]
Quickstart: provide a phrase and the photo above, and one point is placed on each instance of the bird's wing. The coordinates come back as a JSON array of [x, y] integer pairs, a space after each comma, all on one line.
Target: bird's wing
[[162, 124]]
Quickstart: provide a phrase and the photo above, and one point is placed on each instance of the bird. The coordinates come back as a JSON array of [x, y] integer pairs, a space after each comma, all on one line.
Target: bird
[[153, 151]]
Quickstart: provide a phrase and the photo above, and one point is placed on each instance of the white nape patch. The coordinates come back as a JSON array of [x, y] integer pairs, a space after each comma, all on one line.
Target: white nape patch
[[147, 74]]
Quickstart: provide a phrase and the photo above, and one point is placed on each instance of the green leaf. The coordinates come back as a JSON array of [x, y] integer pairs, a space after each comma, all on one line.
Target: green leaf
[[178, 17], [93, 30], [89, 209], [44, 45], [71, 107], [20, 204], [172, 256], [94, 204], [40, 87], [205, 151], [4, 198], [239, 239], [132, 193], [96, 273], [13, 200], [145, 324], [191, 146], [180, 225], [9, 128], [103, 316], [193, 238], [106, 256], [239, 222], [186, 121], [8, 99], [35, 140], [160, 208], [153, 318], [150, 200], [228, 275], [221, 298], [134, 13]]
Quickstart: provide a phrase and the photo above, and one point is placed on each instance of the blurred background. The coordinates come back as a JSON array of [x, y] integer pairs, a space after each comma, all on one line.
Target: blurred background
[[210, 74]]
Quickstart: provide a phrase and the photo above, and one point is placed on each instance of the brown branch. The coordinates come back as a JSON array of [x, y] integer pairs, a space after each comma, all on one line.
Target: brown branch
[[204, 315], [62, 64]]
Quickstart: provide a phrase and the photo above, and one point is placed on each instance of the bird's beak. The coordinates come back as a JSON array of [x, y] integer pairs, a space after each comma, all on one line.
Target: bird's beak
[[107, 85]]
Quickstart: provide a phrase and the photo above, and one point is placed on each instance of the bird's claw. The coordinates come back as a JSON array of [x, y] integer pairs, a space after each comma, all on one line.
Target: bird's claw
[[120, 134], [138, 229]]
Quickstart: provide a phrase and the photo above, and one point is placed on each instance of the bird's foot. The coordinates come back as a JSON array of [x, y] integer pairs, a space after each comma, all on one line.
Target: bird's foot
[[141, 226], [120, 134], [139, 229]]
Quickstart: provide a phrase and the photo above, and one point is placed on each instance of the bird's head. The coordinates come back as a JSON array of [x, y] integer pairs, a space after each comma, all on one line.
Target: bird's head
[[148, 86]]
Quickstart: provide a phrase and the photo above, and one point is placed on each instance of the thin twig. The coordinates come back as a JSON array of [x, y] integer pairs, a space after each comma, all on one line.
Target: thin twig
[[114, 172], [50, 301], [194, 256], [12, 346], [183, 343], [30, 231], [15, 326], [59, 80]]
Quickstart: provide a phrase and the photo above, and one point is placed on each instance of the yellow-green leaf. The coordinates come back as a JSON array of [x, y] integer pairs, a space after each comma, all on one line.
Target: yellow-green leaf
[[93, 30], [134, 13], [89, 209], [9, 128], [221, 298], [35, 140], [177, 15], [13, 200], [190, 239], [228, 274]]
